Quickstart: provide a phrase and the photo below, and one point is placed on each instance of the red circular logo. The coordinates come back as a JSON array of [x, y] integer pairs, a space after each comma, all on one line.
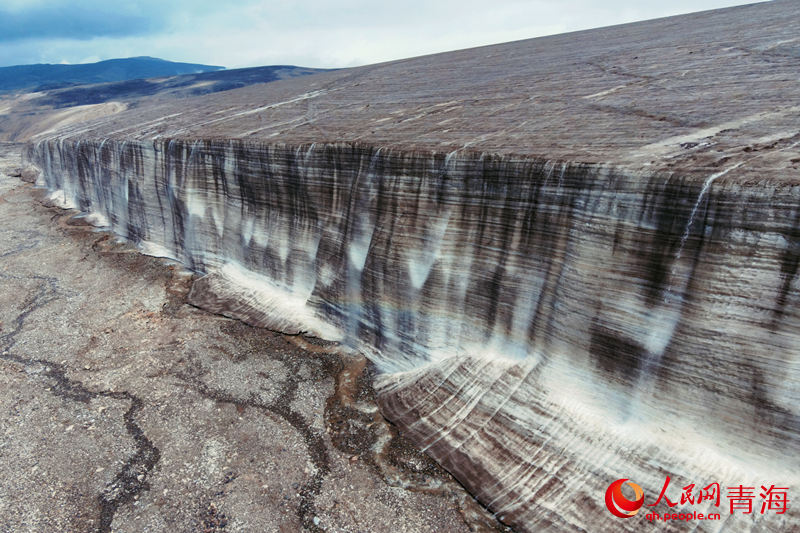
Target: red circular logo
[[621, 506]]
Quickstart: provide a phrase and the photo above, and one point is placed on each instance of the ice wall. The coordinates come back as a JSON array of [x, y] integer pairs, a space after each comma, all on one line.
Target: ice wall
[[543, 328]]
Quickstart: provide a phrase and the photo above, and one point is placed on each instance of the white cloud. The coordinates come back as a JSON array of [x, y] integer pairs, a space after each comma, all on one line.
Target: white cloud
[[326, 34]]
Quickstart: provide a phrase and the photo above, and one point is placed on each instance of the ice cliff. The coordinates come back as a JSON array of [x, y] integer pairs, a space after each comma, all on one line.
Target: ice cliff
[[547, 319], [623, 305]]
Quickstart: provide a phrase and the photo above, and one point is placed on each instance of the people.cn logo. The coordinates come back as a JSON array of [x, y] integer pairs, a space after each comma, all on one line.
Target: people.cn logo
[[621, 506]]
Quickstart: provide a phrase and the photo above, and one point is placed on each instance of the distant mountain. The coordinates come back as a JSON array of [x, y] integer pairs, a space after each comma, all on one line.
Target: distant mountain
[[174, 86], [24, 113], [46, 77]]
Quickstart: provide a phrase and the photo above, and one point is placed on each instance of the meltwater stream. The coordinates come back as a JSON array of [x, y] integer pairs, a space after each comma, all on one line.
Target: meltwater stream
[[666, 318], [515, 308]]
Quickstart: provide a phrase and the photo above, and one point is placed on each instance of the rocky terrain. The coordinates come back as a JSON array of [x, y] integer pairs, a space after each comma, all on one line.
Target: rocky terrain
[[34, 99]]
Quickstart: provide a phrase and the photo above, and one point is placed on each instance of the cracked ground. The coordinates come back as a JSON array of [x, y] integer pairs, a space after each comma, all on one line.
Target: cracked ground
[[122, 408]]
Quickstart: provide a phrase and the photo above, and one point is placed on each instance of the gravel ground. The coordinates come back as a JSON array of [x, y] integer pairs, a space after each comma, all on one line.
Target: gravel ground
[[124, 409]]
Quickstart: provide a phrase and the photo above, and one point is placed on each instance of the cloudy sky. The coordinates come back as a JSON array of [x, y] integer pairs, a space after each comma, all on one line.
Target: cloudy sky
[[313, 33]]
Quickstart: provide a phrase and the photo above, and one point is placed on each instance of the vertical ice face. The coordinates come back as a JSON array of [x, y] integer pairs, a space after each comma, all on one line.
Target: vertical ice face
[[541, 326]]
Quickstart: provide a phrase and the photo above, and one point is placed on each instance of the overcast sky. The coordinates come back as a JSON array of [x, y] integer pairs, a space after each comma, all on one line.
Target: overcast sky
[[313, 33]]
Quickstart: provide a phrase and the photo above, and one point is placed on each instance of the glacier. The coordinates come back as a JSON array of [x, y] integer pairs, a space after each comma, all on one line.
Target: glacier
[[566, 271], [548, 318]]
